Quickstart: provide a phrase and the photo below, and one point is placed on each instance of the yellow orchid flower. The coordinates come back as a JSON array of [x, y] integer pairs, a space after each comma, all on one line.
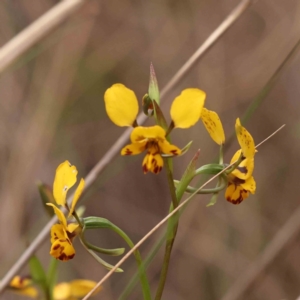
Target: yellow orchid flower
[[61, 240], [153, 140], [241, 181], [23, 286], [74, 290], [63, 233], [122, 108]]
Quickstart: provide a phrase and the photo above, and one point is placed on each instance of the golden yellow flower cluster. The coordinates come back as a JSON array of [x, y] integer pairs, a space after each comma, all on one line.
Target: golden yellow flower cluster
[[63, 233], [122, 108], [72, 290]]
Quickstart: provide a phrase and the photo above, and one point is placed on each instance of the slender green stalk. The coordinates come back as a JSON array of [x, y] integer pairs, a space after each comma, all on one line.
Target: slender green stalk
[[171, 235], [77, 219], [134, 279], [221, 155], [139, 261]]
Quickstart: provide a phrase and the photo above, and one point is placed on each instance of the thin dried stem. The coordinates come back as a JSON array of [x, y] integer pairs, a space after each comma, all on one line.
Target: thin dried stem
[[269, 136], [115, 148], [34, 32], [219, 31]]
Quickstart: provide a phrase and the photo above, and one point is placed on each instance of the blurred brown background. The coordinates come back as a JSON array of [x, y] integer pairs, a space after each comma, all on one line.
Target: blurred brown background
[[52, 110]]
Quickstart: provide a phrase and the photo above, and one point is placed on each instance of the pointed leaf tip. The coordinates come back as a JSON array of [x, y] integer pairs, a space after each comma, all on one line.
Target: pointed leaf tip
[[153, 90]]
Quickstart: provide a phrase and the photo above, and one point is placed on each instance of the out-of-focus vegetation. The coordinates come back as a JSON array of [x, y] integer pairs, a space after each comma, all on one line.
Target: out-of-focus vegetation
[[52, 109]]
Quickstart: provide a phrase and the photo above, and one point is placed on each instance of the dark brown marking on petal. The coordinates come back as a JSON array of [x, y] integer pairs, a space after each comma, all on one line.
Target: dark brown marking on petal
[[21, 279], [128, 152], [71, 235], [156, 170], [145, 169], [63, 257], [56, 247], [243, 170], [174, 152], [237, 181], [239, 200], [235, 201]]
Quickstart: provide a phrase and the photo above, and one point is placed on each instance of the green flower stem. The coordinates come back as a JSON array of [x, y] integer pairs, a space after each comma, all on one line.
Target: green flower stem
[[171, 233], [221, 155], [77, 219], [220, 186], [134, 279], [138, 258]]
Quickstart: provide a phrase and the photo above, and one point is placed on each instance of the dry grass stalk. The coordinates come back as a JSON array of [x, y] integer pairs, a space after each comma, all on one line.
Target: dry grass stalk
[[37, 30]]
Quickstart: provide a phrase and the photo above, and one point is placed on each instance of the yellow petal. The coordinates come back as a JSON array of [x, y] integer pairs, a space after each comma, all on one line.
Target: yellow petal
[[62, 249], [72, 227], [152, 163], [65, 178], [249, 185], [23, 286], [135, 148], [121, 105], [60, 215], [140, 133], [244, 169], [186, 109], [235, 194], [213, 125], [168, 148], [62, 291], [57, 232], [80, 287], [236, 156], [19, 282], [245, 140], [29, 291], [77, 195]]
